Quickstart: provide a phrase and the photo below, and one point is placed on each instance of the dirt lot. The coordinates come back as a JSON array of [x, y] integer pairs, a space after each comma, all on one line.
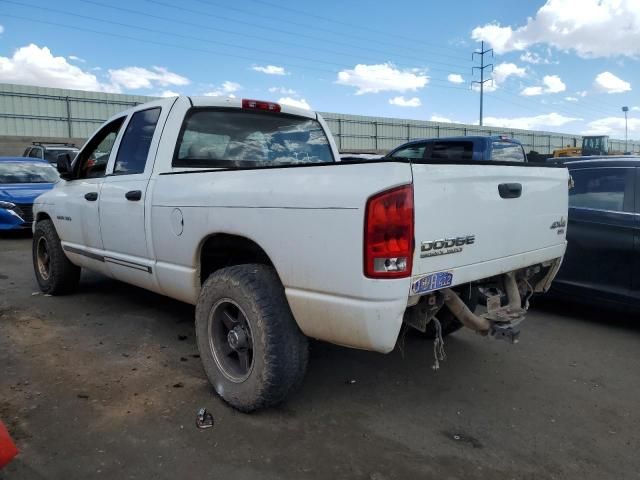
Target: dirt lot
[[106, 384]]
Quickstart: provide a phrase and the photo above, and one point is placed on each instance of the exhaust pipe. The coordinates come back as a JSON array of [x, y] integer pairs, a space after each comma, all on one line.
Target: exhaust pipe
[[459, 310]]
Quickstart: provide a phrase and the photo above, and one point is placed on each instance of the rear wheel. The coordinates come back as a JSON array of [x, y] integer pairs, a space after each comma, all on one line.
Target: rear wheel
[[252, 350], [55, 273]]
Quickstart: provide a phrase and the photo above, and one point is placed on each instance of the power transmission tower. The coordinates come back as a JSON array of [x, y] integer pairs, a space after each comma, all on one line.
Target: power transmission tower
[[482, 66]]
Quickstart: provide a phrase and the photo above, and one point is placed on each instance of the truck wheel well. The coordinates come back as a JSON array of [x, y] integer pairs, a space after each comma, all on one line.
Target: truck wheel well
[[223, 250], [42, 216]]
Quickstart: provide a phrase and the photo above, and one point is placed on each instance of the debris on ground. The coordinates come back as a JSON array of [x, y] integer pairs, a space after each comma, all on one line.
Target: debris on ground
[[204, 419], [182, 337], [178, 385]]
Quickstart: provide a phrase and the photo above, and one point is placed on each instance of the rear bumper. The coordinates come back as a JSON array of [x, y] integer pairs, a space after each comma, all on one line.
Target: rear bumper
[[374, 324], [490, 268]]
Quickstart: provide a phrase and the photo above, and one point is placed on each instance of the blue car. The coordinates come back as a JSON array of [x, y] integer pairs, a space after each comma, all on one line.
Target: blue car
[[22, 180]]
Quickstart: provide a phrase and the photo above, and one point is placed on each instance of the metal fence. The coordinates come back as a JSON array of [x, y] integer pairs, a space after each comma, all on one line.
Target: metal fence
[[59, 113]]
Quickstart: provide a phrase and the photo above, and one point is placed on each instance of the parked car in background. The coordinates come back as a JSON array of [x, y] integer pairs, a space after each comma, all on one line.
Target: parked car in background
[[50, 151], [602, 262], [21, 181], [472, 148]]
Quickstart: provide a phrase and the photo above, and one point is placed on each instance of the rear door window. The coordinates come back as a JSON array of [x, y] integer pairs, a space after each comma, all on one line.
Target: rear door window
[[609, 189], [507, 152], [451, 150], [135, 144]]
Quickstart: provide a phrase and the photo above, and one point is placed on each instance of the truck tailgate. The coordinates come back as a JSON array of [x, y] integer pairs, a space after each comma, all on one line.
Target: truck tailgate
[[462, 217]]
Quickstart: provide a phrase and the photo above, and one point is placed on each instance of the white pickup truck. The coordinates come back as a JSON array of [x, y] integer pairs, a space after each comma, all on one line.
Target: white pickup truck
[[244, 209]]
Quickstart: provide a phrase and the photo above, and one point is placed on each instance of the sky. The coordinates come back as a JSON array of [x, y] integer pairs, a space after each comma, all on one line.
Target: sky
[[560, 65]]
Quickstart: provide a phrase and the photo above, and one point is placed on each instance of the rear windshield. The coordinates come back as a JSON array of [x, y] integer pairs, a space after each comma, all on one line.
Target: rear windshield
[[18, 172], [237, 138], [507, 152]]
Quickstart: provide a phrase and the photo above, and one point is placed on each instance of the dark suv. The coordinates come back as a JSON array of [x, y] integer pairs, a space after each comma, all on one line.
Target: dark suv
[[472, 148], [50, 151]]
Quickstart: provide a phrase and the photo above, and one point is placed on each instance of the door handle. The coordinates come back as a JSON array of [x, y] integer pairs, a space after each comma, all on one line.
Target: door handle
[[510, 190], [91, 196], [133, 195]]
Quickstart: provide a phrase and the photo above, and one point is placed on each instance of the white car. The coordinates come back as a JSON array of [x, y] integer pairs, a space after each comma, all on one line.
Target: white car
[[243, 208]]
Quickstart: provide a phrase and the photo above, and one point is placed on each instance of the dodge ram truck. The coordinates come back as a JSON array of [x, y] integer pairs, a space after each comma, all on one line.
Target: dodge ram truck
[[244, 209]]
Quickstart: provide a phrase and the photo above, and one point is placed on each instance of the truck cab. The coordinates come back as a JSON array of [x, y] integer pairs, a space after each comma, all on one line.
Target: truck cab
[[471, 148]]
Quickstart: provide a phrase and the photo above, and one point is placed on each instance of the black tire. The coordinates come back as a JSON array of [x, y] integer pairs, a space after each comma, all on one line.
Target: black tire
[[56, 276], [448, 322], [279, 351]]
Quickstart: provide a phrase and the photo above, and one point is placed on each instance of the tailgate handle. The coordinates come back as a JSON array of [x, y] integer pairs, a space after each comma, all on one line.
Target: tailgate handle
[[91, 196], [510, 190]]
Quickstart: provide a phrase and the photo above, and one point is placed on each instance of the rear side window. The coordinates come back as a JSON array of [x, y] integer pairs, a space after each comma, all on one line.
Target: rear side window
[[455, 150], [601, 188], [35, 153], [507, 152], [135, 144], [237, 138], [411, 151]]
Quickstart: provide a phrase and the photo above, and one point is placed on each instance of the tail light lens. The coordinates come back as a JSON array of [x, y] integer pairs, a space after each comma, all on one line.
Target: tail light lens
[[388, 234]]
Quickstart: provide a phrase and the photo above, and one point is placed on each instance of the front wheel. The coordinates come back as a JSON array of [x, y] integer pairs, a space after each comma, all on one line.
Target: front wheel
[[251, 348], [55, 273]]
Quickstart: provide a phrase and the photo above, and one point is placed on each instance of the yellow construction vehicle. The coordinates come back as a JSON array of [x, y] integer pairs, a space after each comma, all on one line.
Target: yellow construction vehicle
[[591, 145]]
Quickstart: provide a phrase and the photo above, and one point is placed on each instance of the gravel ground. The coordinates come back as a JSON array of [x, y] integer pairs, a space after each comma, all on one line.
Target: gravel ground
[[106, 384]]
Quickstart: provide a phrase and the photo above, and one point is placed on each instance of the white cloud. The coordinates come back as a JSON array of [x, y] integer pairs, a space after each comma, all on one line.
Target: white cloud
[[405, 102], [545, 121], [168, 93], [1, 29], [609, 83], [582, 93], [382, 77], [592, 28], [295, 102], [77, 59], [571, 99], [439, 118], [270, 70], [491, 86], [505, 70], [133, 78], [225, 90], [551, 84], [614, 126], [534, 58], [455, 78], [635, 109], [34, 65], [282, 90], [531, 91]]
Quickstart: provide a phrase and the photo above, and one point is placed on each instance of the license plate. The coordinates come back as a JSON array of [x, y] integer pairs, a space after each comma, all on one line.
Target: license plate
[[434, 281]]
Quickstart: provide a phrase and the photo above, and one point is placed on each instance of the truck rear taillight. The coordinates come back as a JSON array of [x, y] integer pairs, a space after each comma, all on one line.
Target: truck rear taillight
[[388, 234], [260, 105]]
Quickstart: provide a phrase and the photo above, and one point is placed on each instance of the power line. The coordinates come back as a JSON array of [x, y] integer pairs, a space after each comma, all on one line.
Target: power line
[[230, 32], [193, 48], [386, 33], [303, 35], [481, 68]]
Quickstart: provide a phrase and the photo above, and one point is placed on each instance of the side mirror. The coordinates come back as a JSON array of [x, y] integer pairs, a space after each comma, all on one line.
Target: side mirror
[[64, 166]]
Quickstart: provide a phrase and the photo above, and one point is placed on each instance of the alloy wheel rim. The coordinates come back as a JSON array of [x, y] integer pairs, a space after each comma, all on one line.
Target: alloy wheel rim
[[43, 258], [231, 340]]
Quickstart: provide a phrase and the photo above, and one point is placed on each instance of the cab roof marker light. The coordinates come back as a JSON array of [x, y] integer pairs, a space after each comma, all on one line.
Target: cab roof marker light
[[248, 104]]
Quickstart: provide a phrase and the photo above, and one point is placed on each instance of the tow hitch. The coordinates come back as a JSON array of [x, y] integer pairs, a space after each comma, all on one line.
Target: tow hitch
[[499, 322]]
